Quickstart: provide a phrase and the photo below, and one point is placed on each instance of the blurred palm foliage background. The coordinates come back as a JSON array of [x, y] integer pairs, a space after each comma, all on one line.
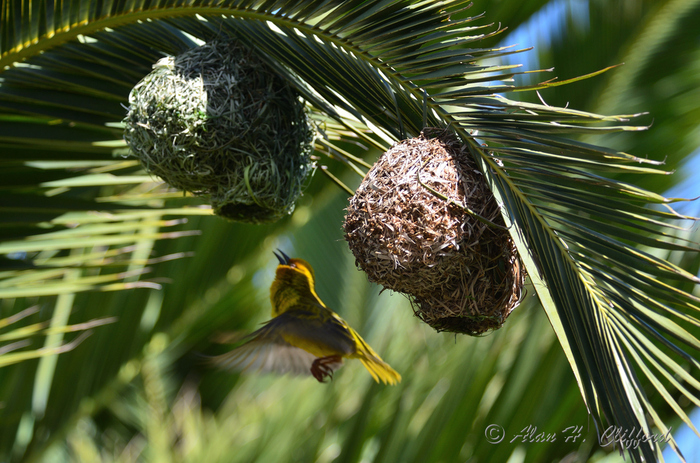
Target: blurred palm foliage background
[[90, 244]]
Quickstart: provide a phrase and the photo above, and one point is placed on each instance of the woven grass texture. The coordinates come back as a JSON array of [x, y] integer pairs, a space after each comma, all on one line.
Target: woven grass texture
[[218, 121], [409, 231]]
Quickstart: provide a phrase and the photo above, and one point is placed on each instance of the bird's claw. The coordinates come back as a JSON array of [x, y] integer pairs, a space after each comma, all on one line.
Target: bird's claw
[[321, 370]]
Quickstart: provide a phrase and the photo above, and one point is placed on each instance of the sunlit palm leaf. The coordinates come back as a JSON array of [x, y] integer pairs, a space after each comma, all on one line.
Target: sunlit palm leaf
[[656, 42], [398, 66], [19, 338]]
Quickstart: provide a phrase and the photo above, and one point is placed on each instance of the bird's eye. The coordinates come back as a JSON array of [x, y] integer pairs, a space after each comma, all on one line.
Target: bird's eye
[[293, 265]]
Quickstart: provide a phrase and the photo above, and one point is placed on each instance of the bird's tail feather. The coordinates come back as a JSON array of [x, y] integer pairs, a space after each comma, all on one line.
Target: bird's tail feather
[[378, 368]]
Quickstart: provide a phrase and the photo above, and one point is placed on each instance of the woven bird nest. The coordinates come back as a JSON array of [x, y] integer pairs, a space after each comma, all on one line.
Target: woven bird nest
[[462, 274], [218, 121]]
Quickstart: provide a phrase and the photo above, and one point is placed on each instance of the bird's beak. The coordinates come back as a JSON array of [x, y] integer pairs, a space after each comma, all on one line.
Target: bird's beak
[[282, 257]]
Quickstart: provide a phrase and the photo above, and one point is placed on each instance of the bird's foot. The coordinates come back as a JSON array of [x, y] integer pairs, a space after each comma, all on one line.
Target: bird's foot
[[320, 367]]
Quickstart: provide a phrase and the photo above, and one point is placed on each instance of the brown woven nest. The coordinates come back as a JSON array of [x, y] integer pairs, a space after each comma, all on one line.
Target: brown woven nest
[[462, 274]]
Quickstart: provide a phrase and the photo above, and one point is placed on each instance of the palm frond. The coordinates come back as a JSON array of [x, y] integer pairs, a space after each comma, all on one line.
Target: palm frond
[[397, 66], [19, 338]]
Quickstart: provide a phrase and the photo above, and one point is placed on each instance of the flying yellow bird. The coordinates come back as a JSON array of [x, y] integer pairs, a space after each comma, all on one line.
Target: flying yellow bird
[[304, 336]]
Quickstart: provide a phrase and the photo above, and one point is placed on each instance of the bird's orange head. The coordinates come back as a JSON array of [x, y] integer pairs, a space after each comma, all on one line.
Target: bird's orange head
[[293, 285]]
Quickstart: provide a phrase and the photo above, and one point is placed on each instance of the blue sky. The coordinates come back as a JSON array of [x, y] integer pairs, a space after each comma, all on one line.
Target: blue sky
[[544, 28], [687, 441]]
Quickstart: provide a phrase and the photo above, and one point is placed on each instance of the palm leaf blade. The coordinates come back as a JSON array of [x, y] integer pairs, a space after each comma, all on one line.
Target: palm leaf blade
[[337, 52]]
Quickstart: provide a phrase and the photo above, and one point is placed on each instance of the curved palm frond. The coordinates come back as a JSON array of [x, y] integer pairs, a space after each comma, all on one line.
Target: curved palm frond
[[394, 67]]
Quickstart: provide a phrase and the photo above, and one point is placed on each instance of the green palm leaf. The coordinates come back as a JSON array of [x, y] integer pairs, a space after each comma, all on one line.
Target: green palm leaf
[[392, 67]]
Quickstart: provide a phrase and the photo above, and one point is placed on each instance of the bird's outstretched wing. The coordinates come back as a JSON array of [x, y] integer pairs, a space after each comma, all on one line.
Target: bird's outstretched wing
[[265, 356], [315, 329], [273, 348]]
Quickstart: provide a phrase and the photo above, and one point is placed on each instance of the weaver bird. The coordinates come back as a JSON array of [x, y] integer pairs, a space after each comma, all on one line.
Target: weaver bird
[[304, 336]]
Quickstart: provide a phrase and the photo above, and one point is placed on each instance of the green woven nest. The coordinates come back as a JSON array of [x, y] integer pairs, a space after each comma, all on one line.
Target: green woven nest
[[218, 121]]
